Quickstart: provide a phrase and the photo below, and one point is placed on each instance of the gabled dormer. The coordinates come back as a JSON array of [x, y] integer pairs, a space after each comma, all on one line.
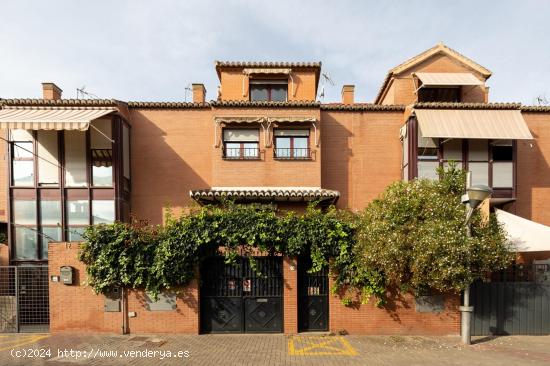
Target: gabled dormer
[[268, 81], [439, 74]]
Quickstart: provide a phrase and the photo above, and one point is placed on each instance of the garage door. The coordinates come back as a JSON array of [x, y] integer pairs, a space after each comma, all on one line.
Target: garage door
[[515, 302], [238, 299]]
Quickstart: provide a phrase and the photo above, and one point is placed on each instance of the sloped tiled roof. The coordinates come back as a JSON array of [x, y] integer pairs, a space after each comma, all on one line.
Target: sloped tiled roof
[[445, 105], [273, 194], [167, 105], [535, 108], [315, 64], [60, 102], [263, 104], [362, 107], [439, 48]]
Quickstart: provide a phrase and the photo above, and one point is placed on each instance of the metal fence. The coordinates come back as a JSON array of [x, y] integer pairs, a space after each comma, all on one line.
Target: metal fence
[[24, 303]]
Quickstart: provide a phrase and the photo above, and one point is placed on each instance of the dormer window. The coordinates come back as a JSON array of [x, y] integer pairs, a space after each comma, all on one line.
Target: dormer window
[[268, 90]]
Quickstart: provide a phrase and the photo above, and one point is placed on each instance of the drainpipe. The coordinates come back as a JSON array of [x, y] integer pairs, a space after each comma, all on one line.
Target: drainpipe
[[124, 307]]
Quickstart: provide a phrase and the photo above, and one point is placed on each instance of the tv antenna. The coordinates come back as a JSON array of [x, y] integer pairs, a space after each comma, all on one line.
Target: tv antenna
[[187, 89], [541, 100], [326, 78], [82, 93]]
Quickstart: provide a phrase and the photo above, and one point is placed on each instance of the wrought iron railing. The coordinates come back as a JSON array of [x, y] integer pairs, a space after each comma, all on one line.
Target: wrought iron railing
[[241, 153], [293, 154]]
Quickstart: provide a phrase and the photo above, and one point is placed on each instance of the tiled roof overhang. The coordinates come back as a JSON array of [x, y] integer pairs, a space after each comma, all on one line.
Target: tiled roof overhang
[[315, 64], [267, 194], [536, 108], [60, 102], [249, 104], [443, 105], [362, 107], [167, 105]]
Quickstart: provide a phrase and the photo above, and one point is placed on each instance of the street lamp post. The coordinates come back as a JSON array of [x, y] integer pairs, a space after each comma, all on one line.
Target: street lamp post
[[473, 198]]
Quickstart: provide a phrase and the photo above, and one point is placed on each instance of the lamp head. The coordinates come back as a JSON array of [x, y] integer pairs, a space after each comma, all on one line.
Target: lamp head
[[478, 194]]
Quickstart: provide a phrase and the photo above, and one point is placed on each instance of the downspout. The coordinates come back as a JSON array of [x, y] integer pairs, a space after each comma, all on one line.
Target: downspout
[[292, 81], [124, 307]]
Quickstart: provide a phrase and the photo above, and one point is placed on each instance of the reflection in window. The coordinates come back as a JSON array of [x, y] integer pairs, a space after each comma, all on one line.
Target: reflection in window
[[25, 242], [23, 162], [292, 144], [103, 212], [102, 153], [269, 90], [49, 234], [78, 212], [75, 158]]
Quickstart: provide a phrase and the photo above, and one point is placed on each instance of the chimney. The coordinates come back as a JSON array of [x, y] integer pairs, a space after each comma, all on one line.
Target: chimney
[[199, 93], [51, 91], [348, 92]]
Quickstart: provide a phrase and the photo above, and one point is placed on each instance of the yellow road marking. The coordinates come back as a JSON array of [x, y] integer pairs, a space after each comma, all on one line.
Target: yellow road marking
[[320, 346], [20, 341]]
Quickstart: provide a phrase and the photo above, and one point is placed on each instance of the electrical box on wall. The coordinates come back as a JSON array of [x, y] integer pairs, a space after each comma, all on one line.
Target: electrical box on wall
[[67, 275]]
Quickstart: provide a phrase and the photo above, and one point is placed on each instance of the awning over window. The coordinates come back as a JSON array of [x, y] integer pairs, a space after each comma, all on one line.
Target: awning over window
[[447, 79], [50, 118], [525, 235], [291, 119], [239, 119], [265, 194], [266, 71], [472, 124]]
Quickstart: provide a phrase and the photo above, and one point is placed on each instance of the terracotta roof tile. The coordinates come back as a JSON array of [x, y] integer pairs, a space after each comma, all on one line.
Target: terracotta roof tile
[[278, 194], [60, 102], [266, 64], [443, 105], [535, 108], [167, 105], [362, 107], [245, 103]]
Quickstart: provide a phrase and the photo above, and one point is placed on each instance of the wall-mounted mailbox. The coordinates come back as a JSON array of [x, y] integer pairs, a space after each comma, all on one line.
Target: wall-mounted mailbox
[[67, 275]]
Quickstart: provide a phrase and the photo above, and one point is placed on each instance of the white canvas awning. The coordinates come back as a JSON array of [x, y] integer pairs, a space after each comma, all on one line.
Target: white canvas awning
[[447, 79], [498, 124], [50, 118], [525, 235]]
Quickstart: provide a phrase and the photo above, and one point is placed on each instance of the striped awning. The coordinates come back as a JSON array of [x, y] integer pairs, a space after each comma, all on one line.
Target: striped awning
[[472, 124], [239, 119], [266, 71], [50, 118], [263, 194], [447, 79], [290, 119]]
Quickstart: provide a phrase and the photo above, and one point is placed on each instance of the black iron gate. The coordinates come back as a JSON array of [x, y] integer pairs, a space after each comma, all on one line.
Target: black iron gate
[[237, 298], [24, 299], [313, 289], [515, 302]]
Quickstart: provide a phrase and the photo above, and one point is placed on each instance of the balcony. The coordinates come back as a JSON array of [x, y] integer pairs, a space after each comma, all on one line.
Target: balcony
[[292, 153], [242, 153]]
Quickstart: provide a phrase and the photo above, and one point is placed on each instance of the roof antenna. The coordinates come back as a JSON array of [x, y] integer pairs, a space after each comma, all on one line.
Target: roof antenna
[[325, 76], [187, 89], [82, 93], [541, 100]]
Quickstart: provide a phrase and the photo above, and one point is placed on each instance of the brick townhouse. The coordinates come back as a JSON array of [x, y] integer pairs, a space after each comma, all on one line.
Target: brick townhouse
[[265, 138]]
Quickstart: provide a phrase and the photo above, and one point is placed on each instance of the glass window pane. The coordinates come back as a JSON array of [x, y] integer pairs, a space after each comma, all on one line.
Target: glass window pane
[[282, 145], [75, 158], [49, 234], [241, 135], [503, 153], [480, 173], [23, 173], [452, 150], [21, 135], [50, 212], [278, 93], [232, 150], [503, 174], [24, 212], [250, 150], [300, 147], [427, 169], [103, 212], [97, 140], [22, 150], [76, 233], [25, 242], [78, 212], [102, 176], [458, 165], [258, 93], [478, 150], [48, 162]]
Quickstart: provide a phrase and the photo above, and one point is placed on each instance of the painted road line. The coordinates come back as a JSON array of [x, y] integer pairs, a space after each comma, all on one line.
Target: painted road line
[[320, 346], [20, 341]]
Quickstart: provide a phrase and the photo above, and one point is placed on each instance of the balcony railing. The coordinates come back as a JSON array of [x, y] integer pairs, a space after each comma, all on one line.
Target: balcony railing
[[241, 153], [292, 154]]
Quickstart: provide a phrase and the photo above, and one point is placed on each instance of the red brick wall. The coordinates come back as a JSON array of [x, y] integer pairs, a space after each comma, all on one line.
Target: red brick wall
[[4, 255], [78, 308], [398, 317], [290, 296]]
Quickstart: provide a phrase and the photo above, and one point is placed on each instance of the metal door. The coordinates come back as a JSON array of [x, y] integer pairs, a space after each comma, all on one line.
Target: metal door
[[24, 299], [515, 302], [313, 313], [237, 298]]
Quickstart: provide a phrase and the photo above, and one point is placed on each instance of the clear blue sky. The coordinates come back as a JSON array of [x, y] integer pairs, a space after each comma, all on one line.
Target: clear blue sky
[[150, 50]]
